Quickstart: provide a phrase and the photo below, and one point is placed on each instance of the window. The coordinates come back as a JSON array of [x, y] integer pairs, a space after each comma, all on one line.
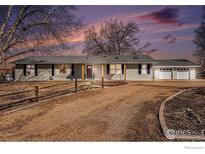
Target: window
[[29, 69], [139, 69], [108, 68], [30, 66], [144, 69], [181, 69], [148, 68], [62, 69], [52, 72], [72, 69], [36, 69], [165, 69], [122, 68], [112, 69], [118, 68], [115, 69]]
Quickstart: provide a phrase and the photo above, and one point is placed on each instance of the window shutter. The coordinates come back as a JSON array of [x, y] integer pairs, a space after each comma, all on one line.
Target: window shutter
[[53, 73], [148, 68], [72, 69], [108, 68], [13, 73], [122, 68], [140, 69], [36, 69], [24, 69]]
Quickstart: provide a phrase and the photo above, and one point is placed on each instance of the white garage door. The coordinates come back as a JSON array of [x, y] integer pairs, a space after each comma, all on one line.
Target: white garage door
[[165, 75], [182, 75]]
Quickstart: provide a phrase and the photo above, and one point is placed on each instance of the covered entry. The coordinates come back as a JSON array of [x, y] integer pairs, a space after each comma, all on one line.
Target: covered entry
[[89, 71]]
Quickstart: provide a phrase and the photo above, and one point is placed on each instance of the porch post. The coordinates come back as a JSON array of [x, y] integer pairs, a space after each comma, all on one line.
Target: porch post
[[102, 71], [172, 74], [83, 72], [124, 71]]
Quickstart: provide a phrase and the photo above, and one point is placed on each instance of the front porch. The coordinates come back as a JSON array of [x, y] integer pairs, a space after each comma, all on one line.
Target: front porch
[[106, 71], [90, 71]]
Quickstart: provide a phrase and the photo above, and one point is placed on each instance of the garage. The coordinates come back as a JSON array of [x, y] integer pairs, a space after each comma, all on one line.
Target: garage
[[165, 73], [182, 73], [175, 69]]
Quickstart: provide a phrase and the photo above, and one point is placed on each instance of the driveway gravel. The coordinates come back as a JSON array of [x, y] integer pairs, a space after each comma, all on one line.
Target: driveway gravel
[[121, 113]]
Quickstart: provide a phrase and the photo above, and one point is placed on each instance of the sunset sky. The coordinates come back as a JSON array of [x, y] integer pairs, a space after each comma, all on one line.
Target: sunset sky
[[170, 29]]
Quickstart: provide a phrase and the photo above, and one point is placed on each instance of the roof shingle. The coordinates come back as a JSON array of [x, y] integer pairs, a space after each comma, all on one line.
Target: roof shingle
[[175, 62], [85, 59], [103, 60]]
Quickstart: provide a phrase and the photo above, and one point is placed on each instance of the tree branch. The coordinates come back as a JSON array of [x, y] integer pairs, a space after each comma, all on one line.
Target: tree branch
[[5, 21]]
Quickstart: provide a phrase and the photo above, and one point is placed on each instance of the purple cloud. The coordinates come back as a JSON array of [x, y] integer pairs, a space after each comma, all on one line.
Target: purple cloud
[[169, 38], [149, 52], [173, 40], [167, 15]]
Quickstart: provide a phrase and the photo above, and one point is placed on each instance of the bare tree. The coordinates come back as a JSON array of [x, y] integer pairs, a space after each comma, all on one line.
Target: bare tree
[[113, 38], [25, 29], [199, 41]]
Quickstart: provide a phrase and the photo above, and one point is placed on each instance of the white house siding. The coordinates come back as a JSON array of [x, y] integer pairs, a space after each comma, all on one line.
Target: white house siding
[[19, 73], [132, 73], [44, 72], [156, 73], [192, 73], [174, 73]]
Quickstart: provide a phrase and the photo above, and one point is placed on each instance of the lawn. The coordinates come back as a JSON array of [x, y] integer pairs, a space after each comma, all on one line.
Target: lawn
[[122, 113]]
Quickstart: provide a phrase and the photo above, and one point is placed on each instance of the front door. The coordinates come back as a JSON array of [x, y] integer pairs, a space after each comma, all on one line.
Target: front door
[[89, 71]]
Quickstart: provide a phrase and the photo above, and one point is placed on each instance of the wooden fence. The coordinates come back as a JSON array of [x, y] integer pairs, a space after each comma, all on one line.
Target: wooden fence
[[37, 92]]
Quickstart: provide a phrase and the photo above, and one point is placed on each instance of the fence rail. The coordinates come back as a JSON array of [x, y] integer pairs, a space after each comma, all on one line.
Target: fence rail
[[15, 93], [38, 91]]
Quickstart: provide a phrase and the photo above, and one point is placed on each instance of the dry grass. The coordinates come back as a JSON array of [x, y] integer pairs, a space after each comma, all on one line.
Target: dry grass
[[45, 88], [187, 111], [125, 113]]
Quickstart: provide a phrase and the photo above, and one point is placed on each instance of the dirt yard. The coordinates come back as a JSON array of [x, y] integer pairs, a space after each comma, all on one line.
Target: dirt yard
[[121, 113]]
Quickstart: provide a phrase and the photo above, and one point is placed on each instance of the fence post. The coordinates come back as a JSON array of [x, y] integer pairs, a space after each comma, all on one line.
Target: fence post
[[36, 93], [102, 82], [76, 85]]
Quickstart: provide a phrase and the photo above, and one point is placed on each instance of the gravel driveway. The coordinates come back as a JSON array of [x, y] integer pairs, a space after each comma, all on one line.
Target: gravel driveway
[[123, 113]]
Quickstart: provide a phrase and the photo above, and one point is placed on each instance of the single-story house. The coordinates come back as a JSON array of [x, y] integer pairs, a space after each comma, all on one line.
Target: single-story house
[[129, 67]]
